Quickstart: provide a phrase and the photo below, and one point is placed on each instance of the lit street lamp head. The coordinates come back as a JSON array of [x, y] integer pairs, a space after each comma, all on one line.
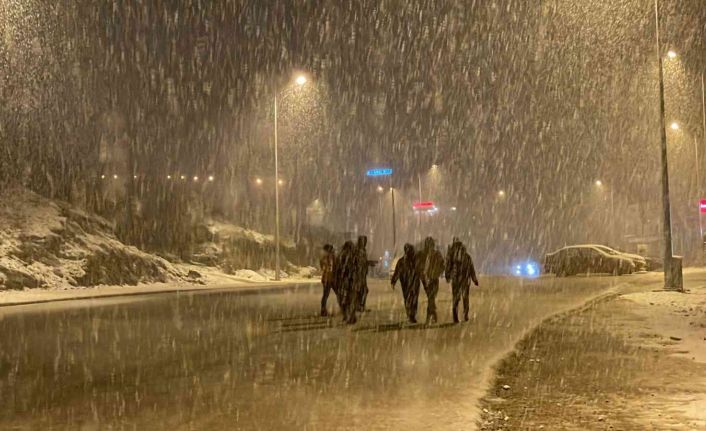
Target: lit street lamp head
[[599, 183], [300, 80], [258, 181], [674, 126], [671, 54]]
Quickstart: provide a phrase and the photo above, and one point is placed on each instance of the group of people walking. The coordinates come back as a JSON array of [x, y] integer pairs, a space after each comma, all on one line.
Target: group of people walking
[[346, 273]]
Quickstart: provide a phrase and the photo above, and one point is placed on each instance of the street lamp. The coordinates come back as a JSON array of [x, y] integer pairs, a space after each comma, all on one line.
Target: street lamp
[[300, 80], [671, 54], [674, 126], [258, 181], [599, 184]]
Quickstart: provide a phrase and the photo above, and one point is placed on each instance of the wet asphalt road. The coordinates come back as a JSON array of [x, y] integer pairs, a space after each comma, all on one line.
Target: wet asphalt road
[[229, 360]]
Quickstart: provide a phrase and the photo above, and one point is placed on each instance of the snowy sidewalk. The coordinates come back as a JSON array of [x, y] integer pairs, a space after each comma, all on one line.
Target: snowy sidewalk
[[214, 281], [637, 361]]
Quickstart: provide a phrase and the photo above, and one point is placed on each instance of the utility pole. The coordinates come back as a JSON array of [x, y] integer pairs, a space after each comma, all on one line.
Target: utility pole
[[394, 223], [669, 279], [419, 212], [277, 276], [698, 183]]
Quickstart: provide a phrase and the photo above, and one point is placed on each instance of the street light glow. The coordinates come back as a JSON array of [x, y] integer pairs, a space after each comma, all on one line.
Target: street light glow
[[674, 126], [301, 80], [210, 177], [280, 182], [380, 189], [196, 178], [169, 177], [453, 208], [671, 54], [258, 181], [501, 193], [599, 183], [115, 176]]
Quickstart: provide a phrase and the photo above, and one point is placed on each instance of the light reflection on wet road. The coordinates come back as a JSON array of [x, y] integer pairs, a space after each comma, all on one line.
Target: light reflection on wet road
[[227, 360]]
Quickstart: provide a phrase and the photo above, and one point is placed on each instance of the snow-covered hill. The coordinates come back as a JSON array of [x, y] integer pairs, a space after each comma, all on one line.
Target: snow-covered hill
[[46, 243]]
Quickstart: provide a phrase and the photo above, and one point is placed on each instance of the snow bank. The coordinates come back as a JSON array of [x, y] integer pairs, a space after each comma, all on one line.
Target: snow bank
[[50, 244]]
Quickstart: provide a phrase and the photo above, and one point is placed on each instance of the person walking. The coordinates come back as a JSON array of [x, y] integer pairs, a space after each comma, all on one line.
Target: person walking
[[344, 276], [406, 273], [361, 277], [326, 263], [460, 272], [430, 266]]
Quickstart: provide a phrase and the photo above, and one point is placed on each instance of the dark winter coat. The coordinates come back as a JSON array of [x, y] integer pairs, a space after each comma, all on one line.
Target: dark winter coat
[[430, 262], [459, 266], [345, 267], [327, 265], [406, 269]]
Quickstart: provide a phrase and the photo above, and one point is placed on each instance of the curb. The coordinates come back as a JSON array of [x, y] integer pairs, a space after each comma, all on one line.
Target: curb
[[238, 290]]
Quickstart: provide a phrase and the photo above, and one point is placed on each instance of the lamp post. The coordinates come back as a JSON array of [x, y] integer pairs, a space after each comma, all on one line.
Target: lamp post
[[669, 279], [300, 80]]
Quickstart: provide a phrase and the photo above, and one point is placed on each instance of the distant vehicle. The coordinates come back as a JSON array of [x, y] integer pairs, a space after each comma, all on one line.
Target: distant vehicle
[[587, 259], [526, 268]]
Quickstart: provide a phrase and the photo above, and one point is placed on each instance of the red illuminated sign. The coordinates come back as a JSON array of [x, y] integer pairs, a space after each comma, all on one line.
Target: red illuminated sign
[[702, 206], [428, 205]]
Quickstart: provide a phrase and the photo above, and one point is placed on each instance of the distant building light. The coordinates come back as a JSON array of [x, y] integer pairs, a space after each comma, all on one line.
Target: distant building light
[[102, 177], [210, 178], [183, 177], [169, 177], [258, 181], [115, 176], [453, 208]]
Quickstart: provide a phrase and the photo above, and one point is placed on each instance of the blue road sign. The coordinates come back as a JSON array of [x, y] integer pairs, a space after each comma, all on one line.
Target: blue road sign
[[380, 172]]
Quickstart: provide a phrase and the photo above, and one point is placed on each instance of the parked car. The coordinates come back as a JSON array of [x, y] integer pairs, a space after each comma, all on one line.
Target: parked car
[[639, 261], [586, 259]]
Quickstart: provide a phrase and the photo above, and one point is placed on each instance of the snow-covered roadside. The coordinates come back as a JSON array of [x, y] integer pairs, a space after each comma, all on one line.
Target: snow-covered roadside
[[635, 361], [679, 319], [50, 250], [216, 280]]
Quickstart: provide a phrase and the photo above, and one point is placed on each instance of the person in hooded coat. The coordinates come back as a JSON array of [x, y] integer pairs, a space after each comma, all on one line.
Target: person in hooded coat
[[406, 273], [344, 274], [361, 276], [460, 272], [430, 266]]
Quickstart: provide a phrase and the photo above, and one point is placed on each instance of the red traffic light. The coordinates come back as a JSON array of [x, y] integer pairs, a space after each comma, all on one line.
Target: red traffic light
[[702, 206]]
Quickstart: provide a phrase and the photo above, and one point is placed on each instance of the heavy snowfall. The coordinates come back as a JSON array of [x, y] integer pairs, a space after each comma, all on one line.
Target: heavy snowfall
[[365, 214]]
